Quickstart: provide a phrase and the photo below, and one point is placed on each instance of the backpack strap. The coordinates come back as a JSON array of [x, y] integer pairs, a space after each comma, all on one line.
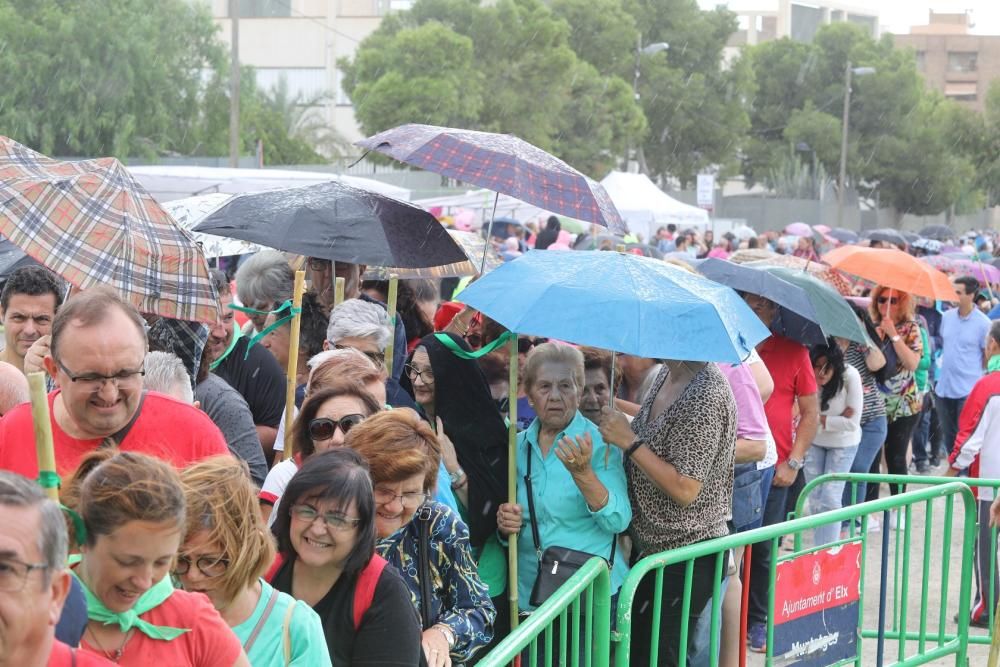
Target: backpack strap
[[272, 571], [364, 590], [286, 632]]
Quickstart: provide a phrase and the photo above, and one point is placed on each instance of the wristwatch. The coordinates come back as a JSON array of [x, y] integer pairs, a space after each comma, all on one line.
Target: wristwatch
[[795, 464], [896, 338]]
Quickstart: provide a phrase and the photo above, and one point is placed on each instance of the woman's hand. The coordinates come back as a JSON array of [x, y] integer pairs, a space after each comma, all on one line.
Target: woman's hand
[[615, 428], [435, 648], [448, 454], [509, 519], [888, 327], [576, 455]]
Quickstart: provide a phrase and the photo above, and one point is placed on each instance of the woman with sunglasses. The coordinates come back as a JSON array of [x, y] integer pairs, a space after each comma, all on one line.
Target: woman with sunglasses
[[425, 540], [325, 528], [899, 334], [226, 550], [326, 417]]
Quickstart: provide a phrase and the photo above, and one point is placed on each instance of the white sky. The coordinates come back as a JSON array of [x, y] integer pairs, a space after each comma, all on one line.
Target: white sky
[[898, 15]]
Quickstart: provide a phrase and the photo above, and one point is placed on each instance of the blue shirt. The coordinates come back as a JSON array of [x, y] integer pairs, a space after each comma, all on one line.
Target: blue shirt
[[563, 516], [305, 632], [443, 493], [995, 313], [963, 345]]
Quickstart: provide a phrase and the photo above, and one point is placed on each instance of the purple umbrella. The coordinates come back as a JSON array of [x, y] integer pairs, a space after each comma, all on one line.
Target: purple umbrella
[[799, 229], [502, 163]]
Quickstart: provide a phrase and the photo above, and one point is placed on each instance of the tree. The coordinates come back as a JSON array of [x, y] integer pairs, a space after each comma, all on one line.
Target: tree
[[602, 32]]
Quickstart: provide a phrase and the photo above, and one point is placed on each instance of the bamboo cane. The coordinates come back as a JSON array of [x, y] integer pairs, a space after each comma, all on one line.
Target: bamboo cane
[[338, 292], [293, 362], [43, 435], [512, 481], [994, 658], [390, 347]]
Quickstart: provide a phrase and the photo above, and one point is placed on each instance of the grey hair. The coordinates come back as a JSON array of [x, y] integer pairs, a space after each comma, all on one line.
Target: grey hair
[[166, 374], [355, 318], [553, 353], [264, 278], [53, 542]]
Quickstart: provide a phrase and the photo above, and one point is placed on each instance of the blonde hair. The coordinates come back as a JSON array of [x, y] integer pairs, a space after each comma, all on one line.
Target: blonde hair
[[907, 304], [222, 501]]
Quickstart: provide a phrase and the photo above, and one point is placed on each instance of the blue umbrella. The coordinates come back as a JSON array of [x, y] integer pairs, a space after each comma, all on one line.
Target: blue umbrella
[[621, 302]]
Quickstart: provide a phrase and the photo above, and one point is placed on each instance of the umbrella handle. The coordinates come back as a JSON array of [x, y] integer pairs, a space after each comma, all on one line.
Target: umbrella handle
[[390, 347], [489, 234], [293, 362], [43, 434], [512, 479]]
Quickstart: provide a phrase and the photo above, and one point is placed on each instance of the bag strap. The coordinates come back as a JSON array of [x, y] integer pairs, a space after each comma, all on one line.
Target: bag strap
[[364, 590], [248, 644], [118, 437], [286, 631], [424, 531]]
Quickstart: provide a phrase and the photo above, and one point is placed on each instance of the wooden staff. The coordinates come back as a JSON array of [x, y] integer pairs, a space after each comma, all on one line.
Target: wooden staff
[[43, 434], [338, 292], [293, 362], [512, 481], [391, 308]]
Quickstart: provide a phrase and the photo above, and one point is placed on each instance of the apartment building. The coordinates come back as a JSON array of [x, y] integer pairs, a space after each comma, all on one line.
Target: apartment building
[[766, 20]]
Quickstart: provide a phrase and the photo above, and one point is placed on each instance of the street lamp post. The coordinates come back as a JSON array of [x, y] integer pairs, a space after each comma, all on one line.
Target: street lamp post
[[641, 51], [842, 176]]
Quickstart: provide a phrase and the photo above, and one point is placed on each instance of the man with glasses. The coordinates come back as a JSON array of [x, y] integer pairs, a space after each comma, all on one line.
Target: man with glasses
[[964, 331], [96, 358]]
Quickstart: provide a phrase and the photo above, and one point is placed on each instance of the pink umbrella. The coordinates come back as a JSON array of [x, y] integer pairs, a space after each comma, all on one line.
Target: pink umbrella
[[799, 229]]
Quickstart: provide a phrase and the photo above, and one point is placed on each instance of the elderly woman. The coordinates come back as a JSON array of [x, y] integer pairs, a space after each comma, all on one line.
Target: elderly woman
[[132, 508], [326, 558], [680, 452], [262, 281], [578, 487], [597, 382], [899, 334], [326, 418], [226, 550], [424, 539]]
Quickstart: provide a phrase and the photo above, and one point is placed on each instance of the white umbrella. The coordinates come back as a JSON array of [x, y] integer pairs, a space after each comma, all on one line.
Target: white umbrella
[[192, 210]]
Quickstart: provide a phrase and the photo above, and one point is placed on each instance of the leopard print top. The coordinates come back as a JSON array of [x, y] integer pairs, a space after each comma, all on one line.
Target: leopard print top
[[697, 435]]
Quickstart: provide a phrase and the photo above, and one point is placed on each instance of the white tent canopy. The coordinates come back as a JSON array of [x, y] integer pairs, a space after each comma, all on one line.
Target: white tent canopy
[[645, 207], [166, 183]]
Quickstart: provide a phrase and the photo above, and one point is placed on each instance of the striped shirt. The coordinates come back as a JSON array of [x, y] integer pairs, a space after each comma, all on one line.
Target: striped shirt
[[873, 406]]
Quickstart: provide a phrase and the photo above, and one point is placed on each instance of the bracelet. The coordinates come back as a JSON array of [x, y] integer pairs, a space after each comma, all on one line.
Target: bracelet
[[461, 483], [457, 475], [639, 442], [603, 503], [449, 634]]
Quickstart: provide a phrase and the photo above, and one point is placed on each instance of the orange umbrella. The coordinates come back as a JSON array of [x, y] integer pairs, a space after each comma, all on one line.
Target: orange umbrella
[[892, 268]]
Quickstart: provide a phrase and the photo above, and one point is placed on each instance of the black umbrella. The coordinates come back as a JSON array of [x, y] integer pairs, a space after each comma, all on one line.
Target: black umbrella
[[843, 235], [336, 222], [886, 236], [588, 242], [938, 232], [796, 318], [12, 258]]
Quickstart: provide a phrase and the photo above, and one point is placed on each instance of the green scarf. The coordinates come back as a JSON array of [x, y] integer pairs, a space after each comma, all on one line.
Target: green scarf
[[154, 597], [994, 364]]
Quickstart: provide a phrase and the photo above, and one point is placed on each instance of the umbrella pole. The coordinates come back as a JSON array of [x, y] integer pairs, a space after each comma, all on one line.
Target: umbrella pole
[[512, 481], [489, 234], [390, 347], [982, 272], [293, 362], [47, 476]]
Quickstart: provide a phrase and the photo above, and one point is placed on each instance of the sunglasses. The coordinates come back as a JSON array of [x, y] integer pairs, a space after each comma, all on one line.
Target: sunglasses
[[883, 299], [323, 429]]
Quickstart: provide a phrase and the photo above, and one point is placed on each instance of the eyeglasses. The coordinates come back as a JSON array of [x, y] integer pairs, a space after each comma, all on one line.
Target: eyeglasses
[[334, 520], [14, 573], [410, 501], [323, 428], [882, 300], [210, 566], [317, 264], [426, 375], [95, 381], [377, 358]]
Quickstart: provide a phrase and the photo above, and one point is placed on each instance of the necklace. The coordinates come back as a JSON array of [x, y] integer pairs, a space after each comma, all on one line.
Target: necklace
[[116, 654]]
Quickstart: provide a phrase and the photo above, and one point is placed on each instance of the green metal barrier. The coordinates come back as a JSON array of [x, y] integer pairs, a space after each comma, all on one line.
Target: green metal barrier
[[655, 564], [586, 598], [904, 555]]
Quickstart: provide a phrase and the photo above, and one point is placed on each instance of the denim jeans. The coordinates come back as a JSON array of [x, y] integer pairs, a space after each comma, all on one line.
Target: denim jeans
[[872, 437], [821, 461], [948, 410], [925, 447], [760, 563]]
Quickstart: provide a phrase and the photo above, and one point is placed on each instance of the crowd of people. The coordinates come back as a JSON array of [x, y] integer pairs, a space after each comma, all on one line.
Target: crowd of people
[[186, 537]]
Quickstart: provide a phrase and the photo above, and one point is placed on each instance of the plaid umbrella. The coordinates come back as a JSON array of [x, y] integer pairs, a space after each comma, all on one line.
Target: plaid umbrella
[[829, 275], [92, 224], [503, 163]]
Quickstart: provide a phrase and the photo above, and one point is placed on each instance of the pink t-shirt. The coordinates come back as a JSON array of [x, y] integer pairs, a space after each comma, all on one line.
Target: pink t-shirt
[[62, 656], [166, 428], [751, 421], [210, 643]]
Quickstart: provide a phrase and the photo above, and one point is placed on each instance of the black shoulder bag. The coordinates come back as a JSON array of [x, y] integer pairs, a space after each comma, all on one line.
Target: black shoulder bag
[[556, 564], [423, 545]]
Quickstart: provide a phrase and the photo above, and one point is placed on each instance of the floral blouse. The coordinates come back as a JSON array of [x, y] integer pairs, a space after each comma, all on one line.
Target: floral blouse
[[461, 600], [902, 397]]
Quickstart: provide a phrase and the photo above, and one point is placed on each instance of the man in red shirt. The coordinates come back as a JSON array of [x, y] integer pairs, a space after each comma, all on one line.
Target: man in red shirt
[[34, 580], [96, 358], [794, 384]]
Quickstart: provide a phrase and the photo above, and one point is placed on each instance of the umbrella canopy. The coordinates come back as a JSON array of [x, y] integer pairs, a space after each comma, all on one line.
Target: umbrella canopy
[[503, 163], [619, 301], [796, 319], [336, 222], [835, 316], [92, 224], [799, 229], [938, 232], [12, 258], [984, 273], [189, 211], [843, 235], [886, 235], [471, 243], [830, 276], [893, 268]]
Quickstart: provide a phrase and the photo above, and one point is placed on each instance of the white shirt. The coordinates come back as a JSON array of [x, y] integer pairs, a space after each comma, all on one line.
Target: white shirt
[[842, 431]]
